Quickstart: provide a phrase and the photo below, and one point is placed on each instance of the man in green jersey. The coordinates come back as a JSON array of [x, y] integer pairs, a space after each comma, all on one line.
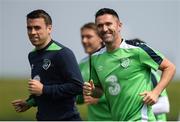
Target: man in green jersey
[[123, 70], [98, 109]]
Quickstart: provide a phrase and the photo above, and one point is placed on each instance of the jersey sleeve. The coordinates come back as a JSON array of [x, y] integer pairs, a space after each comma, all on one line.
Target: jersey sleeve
[[84, 68], [150, 57], [94, 75], [31, 102], [80, 99], [69, 70]]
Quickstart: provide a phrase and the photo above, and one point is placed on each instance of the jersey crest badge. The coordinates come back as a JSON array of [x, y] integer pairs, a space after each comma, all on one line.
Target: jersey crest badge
[[125, 62], [46, 64]]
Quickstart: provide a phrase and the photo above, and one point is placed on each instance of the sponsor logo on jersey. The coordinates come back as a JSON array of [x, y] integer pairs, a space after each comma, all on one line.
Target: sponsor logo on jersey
[[46, 64], [125, 62], [100, 68], [114, 87]]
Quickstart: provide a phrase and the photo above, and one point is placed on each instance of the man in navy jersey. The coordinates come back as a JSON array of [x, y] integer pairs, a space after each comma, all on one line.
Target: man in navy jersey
[[56, 78]]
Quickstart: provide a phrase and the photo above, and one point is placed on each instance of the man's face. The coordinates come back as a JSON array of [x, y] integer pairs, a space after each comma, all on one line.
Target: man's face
[[38, 32], [90, 40], [108, 27]]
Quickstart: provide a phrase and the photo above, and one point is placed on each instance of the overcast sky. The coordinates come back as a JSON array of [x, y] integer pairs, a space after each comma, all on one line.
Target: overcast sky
[[155, 21]]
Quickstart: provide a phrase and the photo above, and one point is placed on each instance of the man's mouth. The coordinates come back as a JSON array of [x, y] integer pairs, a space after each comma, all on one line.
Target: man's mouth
[[106, 35]]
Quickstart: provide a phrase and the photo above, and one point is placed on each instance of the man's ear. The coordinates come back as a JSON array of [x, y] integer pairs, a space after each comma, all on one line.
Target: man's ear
[[49, 27], [119, 25]]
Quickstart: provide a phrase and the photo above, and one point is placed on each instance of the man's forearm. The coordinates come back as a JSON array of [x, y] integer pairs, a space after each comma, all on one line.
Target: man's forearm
[[168, 71]]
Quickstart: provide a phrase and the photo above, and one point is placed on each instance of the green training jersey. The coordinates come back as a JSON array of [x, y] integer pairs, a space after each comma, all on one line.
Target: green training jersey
[[125, 73], [99, 111]]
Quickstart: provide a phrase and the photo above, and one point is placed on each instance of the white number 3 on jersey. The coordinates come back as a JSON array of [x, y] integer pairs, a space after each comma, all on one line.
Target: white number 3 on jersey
[[114, 87]]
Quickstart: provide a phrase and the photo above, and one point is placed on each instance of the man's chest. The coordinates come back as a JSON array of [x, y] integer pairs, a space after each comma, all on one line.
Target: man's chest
[[42, 64], [121, 66]]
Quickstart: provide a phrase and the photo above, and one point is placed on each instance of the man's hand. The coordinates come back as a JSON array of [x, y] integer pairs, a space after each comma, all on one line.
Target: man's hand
[[35, 87], [149, 97], [20, 105], [90, 100], [88, 88]]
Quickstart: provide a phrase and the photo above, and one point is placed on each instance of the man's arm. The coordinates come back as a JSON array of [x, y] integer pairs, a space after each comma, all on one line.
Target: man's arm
[[168, 71]]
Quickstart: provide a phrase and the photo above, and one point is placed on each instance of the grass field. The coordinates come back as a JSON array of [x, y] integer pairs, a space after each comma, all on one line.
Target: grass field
[[15, 89]]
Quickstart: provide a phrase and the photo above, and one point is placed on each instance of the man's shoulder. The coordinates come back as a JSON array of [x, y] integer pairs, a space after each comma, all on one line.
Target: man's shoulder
[[84, 60], [100, 52], [55, 46], [58, 47], [135, 42]]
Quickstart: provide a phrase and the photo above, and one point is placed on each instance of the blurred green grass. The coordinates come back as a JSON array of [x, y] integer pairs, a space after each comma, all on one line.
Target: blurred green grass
[[174, 97], [11, 89]]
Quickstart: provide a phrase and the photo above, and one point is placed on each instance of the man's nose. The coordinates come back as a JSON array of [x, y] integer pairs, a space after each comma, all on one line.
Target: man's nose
[[84, 40], [33, 31], [105, 28]]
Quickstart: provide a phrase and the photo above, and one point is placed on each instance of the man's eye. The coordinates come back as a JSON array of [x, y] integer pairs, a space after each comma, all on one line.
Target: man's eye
[[29, 28], [108, 24], [37, 27], [99, 26]]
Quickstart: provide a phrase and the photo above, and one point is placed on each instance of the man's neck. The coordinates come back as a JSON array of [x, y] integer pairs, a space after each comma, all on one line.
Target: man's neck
[[44, 45], [114, 45]]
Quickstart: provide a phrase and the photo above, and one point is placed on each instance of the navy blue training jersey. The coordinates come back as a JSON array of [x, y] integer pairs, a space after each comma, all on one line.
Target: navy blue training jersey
[[56, 68]]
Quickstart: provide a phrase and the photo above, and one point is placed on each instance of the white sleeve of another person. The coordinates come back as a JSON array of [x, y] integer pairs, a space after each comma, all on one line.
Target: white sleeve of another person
[[162, 105]]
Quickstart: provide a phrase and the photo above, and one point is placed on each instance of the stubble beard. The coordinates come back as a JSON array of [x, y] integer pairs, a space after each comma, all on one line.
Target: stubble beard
[[109, 40]]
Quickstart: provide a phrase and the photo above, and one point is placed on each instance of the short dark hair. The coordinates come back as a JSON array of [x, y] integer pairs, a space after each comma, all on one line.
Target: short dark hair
[[90, 25], [39, 13], [103, 11]]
